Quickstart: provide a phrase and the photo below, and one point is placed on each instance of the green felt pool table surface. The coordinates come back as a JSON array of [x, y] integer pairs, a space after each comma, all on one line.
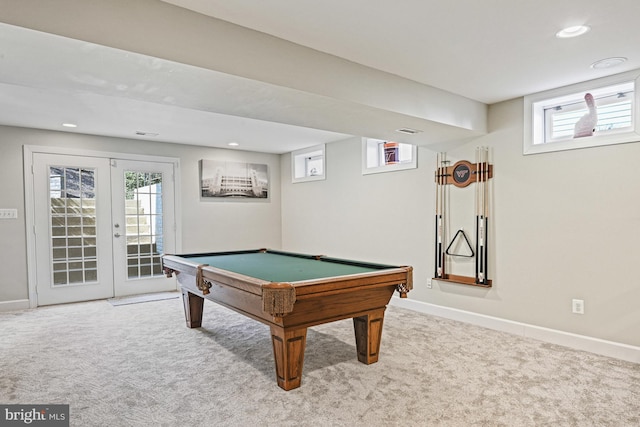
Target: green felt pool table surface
[[284, 267]]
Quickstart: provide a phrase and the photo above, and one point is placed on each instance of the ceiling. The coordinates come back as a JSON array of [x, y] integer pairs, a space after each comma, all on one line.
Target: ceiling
[[486, 51]]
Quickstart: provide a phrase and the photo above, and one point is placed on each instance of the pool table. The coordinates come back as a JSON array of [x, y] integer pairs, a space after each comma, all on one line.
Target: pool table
[[291, 292]]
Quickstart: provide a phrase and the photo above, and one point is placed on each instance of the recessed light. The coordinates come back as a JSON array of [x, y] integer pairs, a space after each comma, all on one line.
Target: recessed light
[[574, 31], [70, 125], [608, 62], [233, 144]]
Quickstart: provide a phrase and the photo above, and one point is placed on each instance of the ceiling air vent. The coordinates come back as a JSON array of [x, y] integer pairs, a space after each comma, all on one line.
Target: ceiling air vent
[[141, 133], [408, 131]]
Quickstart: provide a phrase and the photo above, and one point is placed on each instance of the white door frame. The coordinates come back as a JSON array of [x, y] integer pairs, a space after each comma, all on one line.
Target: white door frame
[[29, 198]]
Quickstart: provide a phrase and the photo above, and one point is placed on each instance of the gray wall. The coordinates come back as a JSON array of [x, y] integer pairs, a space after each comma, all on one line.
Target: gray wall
[[206, 226], [564, 225]]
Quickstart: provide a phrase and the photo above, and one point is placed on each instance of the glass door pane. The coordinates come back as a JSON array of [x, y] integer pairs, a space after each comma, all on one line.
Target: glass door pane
[[73, 225], [144, 223]]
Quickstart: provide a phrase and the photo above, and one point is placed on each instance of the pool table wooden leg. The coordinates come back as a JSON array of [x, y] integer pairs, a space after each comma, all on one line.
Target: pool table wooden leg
[[288, 352], [368, 329], [193, 305]]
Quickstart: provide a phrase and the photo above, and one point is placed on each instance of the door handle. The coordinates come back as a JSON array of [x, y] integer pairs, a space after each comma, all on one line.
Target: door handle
[[116, 235]]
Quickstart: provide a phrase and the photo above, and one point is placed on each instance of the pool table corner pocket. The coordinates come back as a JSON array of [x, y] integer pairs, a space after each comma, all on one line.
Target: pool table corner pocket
[[278, 298]]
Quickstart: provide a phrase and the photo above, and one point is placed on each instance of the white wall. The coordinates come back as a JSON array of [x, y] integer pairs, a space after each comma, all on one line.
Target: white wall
[[206, 225], [564, 225]]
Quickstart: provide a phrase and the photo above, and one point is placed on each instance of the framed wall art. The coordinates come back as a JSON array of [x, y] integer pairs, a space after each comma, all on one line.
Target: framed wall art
[[233, 180]]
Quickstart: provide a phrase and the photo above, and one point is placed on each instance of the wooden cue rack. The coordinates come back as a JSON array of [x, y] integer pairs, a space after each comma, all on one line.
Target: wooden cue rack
[[462, 174]]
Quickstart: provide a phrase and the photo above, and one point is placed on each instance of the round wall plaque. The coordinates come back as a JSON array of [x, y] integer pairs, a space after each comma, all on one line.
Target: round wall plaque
[[462, 173]]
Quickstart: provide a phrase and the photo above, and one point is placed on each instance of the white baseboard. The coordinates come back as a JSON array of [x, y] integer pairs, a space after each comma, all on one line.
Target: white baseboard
[[613, 349], [19, 304]]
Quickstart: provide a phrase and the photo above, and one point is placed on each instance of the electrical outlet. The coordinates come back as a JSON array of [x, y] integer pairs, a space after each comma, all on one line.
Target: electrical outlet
[[578, 306], [8, 213], [429, 284]]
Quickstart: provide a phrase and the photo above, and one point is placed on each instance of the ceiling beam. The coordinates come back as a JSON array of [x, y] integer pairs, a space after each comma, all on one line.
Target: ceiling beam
[[280, 81]]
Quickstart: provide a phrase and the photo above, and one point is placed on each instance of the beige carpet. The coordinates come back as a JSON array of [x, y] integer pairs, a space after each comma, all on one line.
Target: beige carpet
[[138, 365]]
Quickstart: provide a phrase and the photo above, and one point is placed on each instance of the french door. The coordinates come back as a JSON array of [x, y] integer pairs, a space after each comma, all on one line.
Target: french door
[[100, 227], [142, 211]]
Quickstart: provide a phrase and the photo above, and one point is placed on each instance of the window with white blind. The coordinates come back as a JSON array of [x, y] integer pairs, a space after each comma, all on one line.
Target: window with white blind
[[551, 118]]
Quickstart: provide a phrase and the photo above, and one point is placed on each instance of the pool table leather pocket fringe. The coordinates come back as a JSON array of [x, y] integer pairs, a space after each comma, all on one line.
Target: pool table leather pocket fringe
[[203, 285], [278, 299]]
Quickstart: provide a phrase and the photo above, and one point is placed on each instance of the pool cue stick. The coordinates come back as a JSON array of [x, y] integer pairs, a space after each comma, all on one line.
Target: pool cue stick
[[437, 204], [478, 210], [442, 217], [443, 209], [485, 181], [481, 276], [439, 264], [486, 214], [480, 216]]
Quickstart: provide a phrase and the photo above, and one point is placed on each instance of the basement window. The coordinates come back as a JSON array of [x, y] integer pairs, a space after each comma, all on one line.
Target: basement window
[[308, 164], [551, 117], [386, 156]]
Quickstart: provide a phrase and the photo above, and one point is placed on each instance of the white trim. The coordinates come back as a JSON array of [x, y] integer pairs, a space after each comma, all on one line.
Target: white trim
[[19, 304], [533, 121], [613, 349], [295, 166], [27, 157], [95, 153], [29, 217]]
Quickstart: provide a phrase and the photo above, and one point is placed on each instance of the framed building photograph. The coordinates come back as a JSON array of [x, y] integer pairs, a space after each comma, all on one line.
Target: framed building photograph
[[233, 180]]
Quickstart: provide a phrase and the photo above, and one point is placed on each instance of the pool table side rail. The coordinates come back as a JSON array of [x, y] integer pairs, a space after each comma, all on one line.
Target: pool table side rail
[[173, 264], [392, 276], [324, 258], [278, 298], [204, 274], [178, 263]]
